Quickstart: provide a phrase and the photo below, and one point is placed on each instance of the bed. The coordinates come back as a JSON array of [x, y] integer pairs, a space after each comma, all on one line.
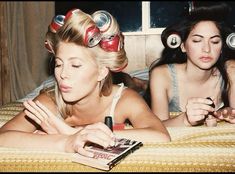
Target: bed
[[192, 149]]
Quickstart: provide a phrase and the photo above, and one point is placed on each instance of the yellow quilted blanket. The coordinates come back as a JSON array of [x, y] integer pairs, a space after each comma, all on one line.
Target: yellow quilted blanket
[[193, 149]]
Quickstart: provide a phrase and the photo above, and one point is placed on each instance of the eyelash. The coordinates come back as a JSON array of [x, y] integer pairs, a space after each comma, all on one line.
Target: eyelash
[[216, 42], [57, 65], [76, 66]]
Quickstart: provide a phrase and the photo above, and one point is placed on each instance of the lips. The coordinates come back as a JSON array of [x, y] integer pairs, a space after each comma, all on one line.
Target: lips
[[206, 59], [65, 88]]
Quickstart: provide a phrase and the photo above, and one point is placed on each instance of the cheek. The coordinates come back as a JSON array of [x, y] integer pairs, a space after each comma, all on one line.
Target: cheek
[[217, 50], [192, 51], [86, 77]]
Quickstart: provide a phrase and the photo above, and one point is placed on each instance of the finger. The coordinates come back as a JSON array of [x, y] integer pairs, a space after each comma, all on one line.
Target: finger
[[225, 113], [101, 126], [44, 109], [203, 108], [201, 101], [98, 137], [84, 152], [38, 110], [198, 113], [33, 117], [30, 106]]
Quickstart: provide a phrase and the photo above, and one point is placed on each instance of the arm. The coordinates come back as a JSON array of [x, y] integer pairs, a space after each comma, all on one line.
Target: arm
[[228, 113], [22, 128], [231, 71], [146, 126], [160, 85]]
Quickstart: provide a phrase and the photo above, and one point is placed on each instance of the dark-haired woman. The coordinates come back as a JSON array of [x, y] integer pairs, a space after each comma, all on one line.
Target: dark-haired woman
[[192, 73]]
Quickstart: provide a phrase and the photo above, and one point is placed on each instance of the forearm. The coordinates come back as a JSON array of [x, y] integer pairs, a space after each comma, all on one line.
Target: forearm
[[143, 135], [33, 141], [180, 120]]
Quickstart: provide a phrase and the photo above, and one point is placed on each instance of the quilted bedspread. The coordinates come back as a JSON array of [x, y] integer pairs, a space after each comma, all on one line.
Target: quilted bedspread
[[192, 149]]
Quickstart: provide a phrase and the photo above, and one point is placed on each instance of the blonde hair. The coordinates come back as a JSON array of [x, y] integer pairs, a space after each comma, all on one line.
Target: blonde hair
[[73, 31]]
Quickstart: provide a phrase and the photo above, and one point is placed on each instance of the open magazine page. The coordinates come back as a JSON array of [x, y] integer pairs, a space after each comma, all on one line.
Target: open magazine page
[[105, 159]]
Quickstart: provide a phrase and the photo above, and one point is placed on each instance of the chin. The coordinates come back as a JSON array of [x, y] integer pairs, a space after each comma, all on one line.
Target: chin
[[69, 99]]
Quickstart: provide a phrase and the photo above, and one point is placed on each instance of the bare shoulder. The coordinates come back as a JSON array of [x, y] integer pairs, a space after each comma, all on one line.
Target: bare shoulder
[[230, 66], [160, 69], [160, 75], [47, 101], [132, 99]]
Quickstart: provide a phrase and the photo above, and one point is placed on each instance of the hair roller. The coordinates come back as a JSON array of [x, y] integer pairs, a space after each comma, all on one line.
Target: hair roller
[[56, 23], [230, 41], [92, 36], [191, 7], [109, 29], [112, 44], [171, 39], [70, 12], [121, 68], [102, 19]]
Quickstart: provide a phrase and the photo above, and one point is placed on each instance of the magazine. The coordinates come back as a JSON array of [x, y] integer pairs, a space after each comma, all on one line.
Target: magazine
[[107, 158]]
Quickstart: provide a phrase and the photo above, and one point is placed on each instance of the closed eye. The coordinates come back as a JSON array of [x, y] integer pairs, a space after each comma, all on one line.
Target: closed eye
[[76, 66]]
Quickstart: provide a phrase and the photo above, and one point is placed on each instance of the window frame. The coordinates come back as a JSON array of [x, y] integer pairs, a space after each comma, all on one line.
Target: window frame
[[146, 30]]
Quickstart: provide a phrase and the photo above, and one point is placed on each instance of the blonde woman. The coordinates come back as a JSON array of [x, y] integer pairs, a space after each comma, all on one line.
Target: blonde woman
[[73, 112]]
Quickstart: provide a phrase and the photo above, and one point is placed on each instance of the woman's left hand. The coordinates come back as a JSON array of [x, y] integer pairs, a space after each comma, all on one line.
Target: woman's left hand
[[50, 123], [227, 114]]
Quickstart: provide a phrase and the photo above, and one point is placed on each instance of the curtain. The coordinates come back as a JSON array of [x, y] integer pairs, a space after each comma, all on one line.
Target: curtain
[[26, 26]]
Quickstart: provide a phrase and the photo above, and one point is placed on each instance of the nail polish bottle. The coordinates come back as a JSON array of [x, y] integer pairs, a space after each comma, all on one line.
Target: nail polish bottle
[[211, 121]]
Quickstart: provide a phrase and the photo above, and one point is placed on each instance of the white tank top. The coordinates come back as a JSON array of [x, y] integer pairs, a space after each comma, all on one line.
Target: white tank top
[[115, 100]]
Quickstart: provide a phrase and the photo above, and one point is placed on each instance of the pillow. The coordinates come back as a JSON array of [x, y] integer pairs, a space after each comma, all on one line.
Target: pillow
[[8, 111]]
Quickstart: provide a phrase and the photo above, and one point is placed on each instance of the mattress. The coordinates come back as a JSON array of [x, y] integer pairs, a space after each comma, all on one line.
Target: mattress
[[192, 149]]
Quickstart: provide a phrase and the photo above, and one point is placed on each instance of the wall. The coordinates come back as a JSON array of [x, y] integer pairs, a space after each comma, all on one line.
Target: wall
[[142, 50]]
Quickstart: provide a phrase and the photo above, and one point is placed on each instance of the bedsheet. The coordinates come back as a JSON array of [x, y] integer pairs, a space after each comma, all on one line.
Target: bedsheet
[[192, 149]]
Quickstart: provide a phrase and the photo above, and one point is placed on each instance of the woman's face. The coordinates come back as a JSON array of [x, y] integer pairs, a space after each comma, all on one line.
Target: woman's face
[[77, 74], [203, 45]]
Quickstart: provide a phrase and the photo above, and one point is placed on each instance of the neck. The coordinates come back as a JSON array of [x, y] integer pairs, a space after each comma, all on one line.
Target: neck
[[91, 107], [196, 74]]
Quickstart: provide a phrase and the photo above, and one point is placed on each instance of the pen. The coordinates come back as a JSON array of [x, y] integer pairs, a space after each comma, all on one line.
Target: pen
[[109, 122]]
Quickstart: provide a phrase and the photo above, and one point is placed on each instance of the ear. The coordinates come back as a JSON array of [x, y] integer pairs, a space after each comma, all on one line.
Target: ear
[[103, 72], [182, 47]]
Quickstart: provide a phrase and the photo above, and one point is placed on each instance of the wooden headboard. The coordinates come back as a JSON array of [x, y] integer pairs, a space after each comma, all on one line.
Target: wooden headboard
[[142, 50]]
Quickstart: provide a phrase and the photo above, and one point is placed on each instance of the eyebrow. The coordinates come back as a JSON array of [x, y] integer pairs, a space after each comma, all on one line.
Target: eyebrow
[[70, 58], [210, 37]]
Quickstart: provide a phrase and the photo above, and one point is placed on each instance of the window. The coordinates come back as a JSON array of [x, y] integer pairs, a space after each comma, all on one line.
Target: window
[[136, 17]]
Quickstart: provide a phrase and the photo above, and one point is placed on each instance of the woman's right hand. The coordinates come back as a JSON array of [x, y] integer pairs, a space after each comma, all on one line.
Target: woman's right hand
[[97, 133], [197, 109]]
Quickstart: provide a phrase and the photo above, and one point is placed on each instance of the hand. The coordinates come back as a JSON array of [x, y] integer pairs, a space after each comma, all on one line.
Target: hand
[[197, 109], [97, 133], [227, 114], [50, 123]]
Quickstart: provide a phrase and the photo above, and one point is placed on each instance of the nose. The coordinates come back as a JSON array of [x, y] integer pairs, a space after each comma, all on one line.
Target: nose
[[64, 73], [206, 47]]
